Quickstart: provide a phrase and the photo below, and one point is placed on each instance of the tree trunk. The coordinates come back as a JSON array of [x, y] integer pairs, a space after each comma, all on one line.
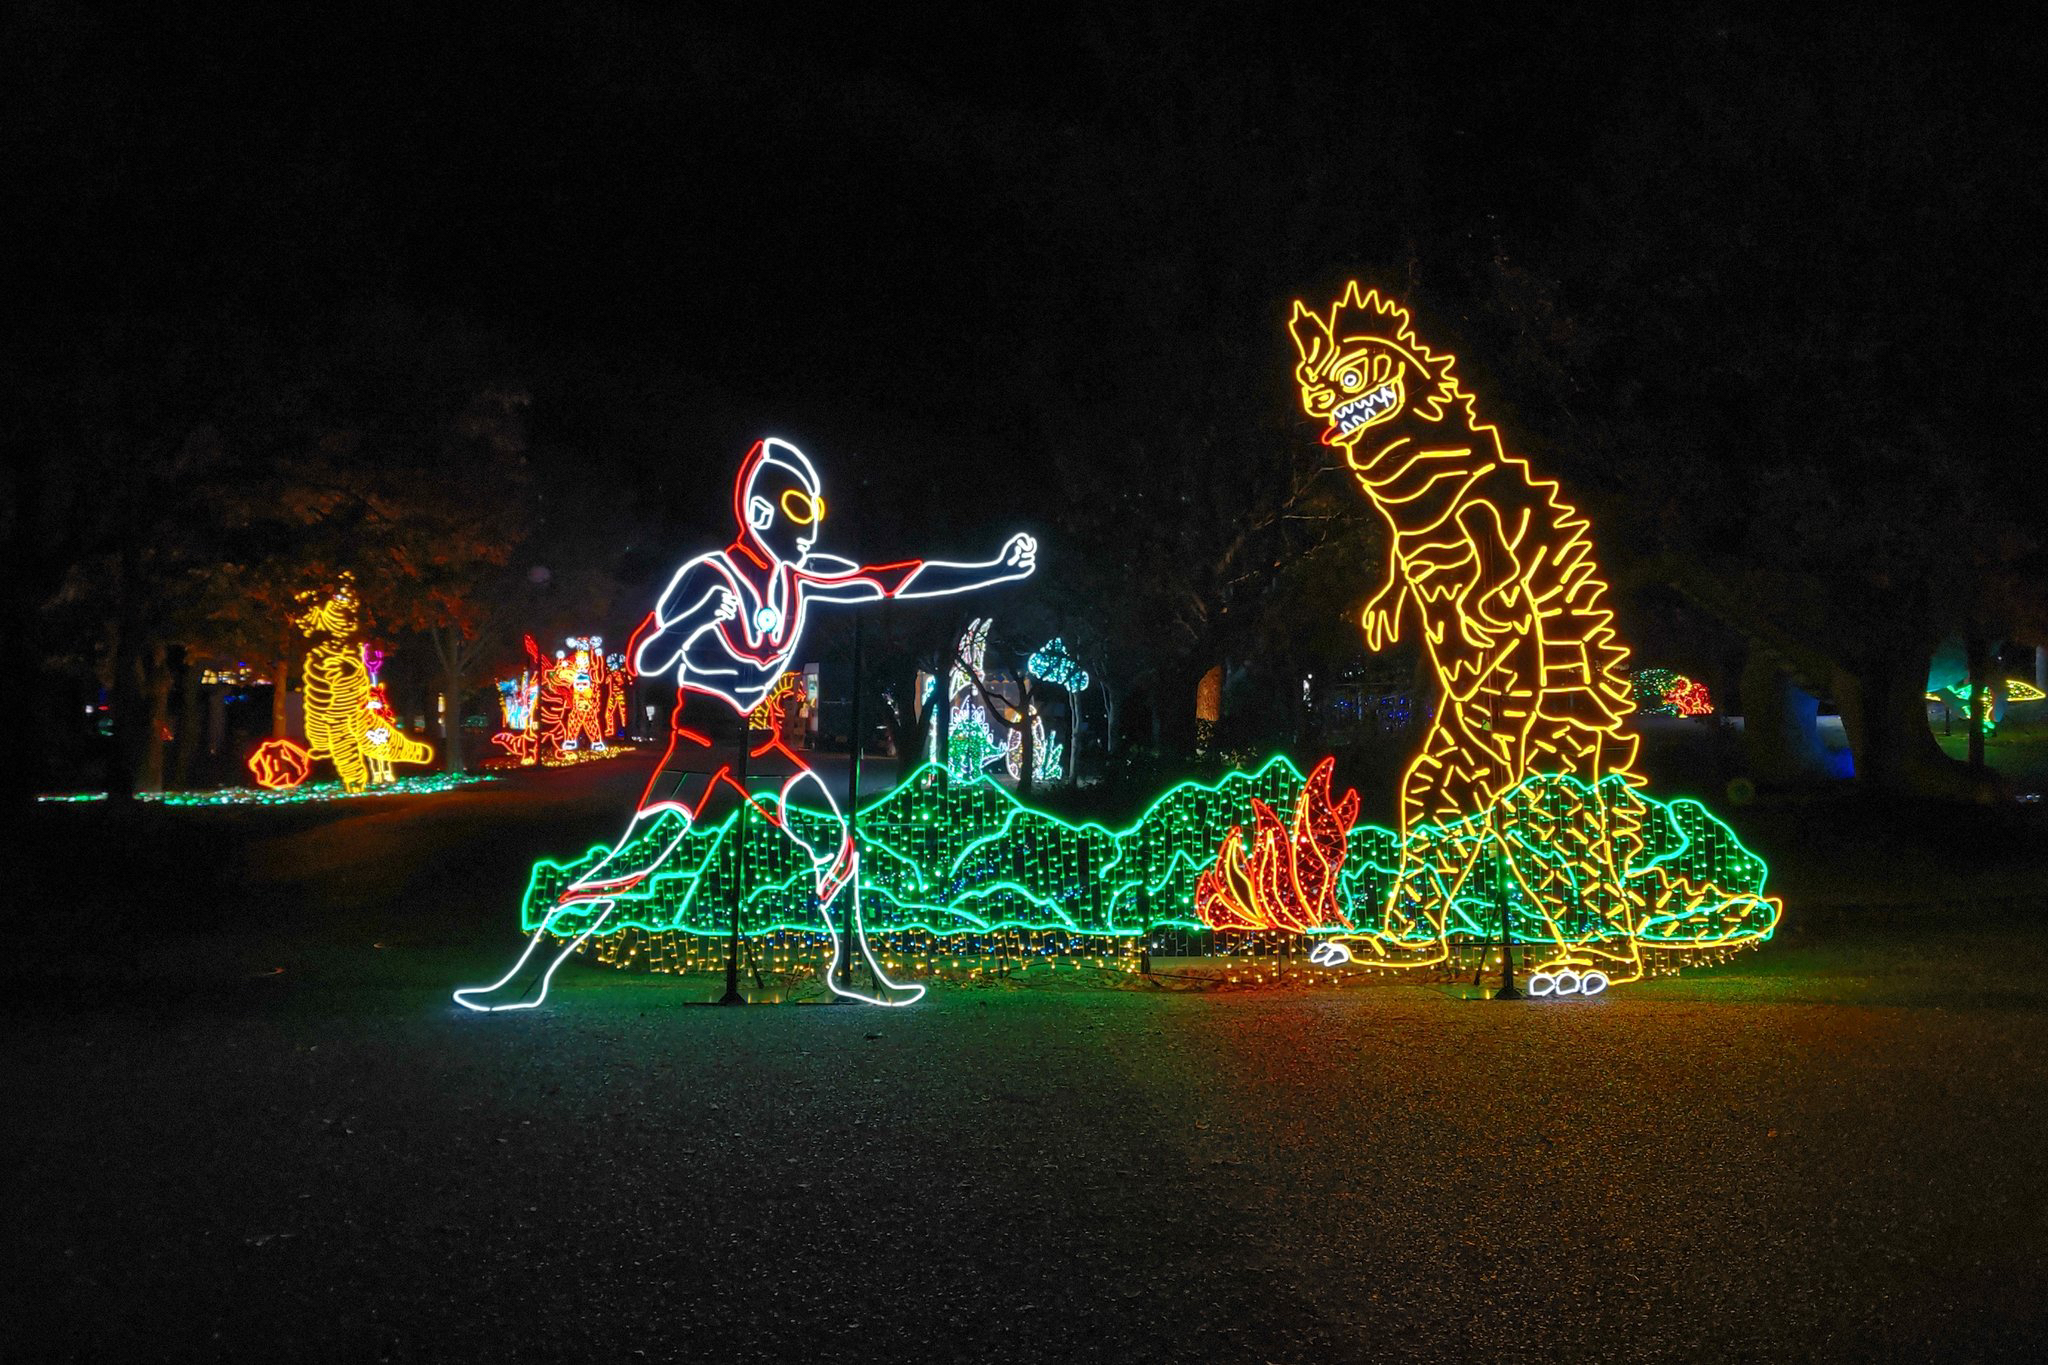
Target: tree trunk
[[137, 763], [280, 699], [453, 759], [1779, 739], [1884, 710], [190, 723], [1974, 650], [1208, 708], [1108, 716], [142, 694], [1301, 702], [1073, 739], [1027, 748], [909, 725]]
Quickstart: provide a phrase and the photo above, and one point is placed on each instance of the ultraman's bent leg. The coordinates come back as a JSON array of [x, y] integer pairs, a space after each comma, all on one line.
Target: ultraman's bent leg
[[526, 985], [838, 880], [626, 866]]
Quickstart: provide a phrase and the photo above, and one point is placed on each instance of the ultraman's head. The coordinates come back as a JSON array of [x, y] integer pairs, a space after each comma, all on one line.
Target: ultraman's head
[[1361, 368], [779, 502]]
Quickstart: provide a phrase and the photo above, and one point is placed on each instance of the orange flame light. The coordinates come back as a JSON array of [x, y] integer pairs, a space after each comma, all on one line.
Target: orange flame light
[[1289, 878]]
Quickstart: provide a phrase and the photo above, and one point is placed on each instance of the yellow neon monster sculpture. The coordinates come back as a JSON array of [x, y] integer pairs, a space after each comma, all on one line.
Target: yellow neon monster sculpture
[[348, 722], [1496, 571]]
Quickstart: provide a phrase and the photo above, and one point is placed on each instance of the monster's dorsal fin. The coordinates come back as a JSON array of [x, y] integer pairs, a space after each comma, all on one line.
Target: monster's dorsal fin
[[1363, 313]]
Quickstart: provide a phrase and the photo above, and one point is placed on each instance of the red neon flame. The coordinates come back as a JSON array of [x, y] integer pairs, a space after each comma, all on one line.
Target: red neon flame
[[1288, 880]]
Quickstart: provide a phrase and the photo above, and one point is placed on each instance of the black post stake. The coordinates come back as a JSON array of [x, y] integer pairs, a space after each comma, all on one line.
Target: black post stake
[[853, 783], [732, 994], [1507, 989]]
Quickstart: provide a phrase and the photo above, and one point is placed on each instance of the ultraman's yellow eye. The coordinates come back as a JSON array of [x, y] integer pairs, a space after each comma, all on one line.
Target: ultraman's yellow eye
[[802, 508]]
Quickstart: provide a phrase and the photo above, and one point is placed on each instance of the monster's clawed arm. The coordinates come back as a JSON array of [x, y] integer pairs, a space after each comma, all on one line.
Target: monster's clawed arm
[[1382, 616]]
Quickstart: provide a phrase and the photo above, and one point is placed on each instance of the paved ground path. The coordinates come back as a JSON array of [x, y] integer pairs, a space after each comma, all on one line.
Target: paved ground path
[[1830, 1150]]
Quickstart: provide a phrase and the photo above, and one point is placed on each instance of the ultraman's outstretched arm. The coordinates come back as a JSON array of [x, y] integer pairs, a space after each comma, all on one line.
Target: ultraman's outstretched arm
[[832, 579], [684, 636]]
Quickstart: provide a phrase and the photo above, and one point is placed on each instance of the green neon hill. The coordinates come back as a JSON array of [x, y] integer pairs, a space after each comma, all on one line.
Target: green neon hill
[[950, 857]]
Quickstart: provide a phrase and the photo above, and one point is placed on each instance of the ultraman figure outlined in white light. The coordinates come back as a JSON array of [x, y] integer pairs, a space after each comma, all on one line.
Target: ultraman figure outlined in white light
[[727, 626]]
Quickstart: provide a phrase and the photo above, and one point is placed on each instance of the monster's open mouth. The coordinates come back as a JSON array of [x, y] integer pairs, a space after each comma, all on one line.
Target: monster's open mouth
[[1367, 408]]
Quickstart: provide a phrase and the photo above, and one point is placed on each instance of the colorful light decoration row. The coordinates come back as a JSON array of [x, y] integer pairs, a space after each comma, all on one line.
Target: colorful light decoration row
[[420, 784], [2015, 690], [1662, 692], [564, 709]]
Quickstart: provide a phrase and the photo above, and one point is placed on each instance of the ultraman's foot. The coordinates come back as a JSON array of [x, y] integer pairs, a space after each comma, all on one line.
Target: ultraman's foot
[[1558, 980], [526, 985], [521, 991], [882, 992], [870, 987]]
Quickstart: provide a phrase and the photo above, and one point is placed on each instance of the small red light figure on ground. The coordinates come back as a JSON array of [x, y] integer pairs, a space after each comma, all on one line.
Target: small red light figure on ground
[[1689, 698], [727, 626], [280, 765]]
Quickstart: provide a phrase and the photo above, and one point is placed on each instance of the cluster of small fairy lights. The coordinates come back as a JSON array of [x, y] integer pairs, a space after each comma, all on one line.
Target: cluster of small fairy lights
[[959, 875], [1051, 663], [425, 784], [786, 955], [567, 758], [779, 965], [1651, 686]]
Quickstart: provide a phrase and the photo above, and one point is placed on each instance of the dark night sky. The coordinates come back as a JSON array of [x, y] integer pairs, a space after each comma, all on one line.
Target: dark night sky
[[842, 227], [772, 194]]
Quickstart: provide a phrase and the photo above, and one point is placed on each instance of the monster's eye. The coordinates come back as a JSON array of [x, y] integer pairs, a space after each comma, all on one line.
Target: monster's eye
[[1351, 379]]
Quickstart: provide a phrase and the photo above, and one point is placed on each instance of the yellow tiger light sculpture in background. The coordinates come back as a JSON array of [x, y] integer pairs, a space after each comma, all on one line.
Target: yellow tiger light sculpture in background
[[1496, 569], [348, 722]]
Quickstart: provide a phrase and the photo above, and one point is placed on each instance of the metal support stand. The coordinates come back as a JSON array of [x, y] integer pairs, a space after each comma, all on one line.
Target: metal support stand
[[853, 795], [732, 994], [1507, 989]]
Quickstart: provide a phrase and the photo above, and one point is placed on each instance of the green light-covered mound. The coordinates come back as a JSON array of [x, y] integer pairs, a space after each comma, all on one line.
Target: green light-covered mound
[[952, 857]]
